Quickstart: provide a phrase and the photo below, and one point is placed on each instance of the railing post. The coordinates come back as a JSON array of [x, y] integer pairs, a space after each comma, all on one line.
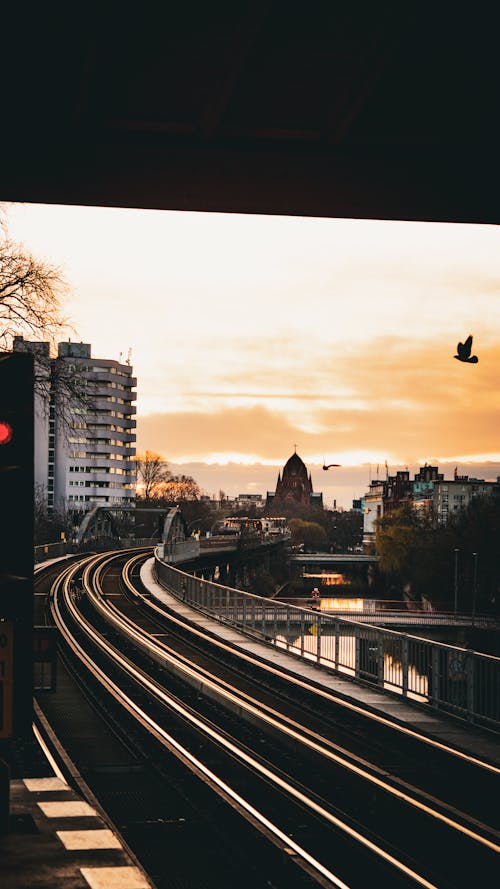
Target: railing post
[[302, 633], [381, 661], [357, 653], [434, 690], [244, 612], [337, 645], [287, 628], [404, 664], [469, 672], [318, 640]]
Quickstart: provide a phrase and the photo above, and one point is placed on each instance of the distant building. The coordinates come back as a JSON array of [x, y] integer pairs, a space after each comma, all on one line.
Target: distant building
[[243, 501], [397, 491], [294, 487], [449, 497], [88, 459], [373, 509], [428, 491]]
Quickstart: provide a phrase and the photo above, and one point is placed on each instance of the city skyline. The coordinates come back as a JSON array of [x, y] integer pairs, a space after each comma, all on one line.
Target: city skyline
[[251, 334]]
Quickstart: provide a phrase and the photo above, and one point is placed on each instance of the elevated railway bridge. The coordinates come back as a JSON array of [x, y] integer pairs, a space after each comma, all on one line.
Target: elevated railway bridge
[[270, 734], [367, 645]]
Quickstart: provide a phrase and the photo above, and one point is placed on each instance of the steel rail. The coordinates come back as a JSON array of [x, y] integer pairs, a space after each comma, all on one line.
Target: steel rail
[[166, 738], [323, 693], [160, 694], [278, 721]]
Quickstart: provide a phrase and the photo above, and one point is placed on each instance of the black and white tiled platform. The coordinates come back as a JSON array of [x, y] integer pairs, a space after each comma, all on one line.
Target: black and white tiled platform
[[58, 839]]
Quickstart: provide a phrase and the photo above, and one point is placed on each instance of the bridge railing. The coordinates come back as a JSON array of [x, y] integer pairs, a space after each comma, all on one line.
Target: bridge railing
[[385, 611], [455, 680], [46, 551]]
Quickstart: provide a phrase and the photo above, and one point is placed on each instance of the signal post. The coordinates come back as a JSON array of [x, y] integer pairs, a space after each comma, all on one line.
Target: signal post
[[16, 556]]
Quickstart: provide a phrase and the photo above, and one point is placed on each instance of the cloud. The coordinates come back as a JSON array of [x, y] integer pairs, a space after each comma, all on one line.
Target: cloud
[[196, 435], [395, 396]]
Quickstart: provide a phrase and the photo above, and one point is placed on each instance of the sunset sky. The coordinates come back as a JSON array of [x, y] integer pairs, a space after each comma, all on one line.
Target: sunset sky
[[252, 334]]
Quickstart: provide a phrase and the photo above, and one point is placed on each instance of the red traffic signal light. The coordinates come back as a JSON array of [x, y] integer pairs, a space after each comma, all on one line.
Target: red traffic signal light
[[6, 432]]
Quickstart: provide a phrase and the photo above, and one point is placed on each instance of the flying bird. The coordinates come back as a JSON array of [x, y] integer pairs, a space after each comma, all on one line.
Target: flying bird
[[464, 352], [330, 465]]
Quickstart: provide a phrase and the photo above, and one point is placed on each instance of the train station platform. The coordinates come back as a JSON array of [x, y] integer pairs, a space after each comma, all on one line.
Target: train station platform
[[56, 838], [57, 833], [471, 740]]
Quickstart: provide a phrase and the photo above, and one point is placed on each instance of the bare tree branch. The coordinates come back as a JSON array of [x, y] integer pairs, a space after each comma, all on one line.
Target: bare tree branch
[[179, 488], [30, 295], [30, 305], [152, 474]]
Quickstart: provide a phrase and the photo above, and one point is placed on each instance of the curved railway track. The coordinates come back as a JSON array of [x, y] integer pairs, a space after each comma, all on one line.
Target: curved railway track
[[330, 809]]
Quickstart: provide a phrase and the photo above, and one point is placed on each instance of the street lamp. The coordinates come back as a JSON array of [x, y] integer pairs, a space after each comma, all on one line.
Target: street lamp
[[474, 587], [456, 551]]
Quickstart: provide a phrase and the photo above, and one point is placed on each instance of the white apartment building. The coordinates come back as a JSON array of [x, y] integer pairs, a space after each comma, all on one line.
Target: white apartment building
[[373, 509], [88, 458]]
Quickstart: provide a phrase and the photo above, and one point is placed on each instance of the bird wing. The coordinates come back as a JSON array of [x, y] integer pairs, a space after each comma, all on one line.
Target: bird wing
[[468, 344]]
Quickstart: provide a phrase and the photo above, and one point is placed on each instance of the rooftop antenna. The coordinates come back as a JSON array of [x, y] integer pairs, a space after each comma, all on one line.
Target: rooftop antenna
[[129, 356], [120, 357], [386, 471]]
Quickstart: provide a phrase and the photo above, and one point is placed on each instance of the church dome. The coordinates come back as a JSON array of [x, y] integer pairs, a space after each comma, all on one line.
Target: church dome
[[294, 466]]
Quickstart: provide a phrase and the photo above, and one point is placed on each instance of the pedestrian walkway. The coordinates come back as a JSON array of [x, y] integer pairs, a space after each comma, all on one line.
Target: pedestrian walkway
[[471, 740]]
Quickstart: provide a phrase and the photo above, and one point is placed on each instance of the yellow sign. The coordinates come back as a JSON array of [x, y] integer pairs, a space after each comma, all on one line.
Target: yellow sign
[[313, 629], [6, 678]]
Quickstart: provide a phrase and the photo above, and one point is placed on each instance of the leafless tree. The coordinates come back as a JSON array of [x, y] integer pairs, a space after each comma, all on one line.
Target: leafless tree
[[31, 291], [49, 527], [180, 488], [30, 295], [152, 474]]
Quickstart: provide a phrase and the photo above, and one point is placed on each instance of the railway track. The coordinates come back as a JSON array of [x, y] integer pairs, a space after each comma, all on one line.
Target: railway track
[[329, 809]]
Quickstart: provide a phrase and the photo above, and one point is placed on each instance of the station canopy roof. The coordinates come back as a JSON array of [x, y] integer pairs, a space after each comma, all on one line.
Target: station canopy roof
[[382, 110]]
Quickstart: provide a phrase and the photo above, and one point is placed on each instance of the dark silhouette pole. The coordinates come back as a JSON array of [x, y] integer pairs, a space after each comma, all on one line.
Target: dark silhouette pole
[[474, 588], [456, 551]]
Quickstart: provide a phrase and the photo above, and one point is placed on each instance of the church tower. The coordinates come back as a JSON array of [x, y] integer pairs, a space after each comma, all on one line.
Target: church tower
[[294, 487]]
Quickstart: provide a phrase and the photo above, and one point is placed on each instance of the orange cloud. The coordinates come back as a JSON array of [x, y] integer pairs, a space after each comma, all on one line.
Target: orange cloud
[[395, 396]]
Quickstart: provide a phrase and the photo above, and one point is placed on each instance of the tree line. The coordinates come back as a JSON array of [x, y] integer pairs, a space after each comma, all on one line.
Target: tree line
[[459, 559]]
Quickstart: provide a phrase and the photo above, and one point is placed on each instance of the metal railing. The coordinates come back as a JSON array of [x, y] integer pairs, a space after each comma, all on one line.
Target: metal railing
[[51, 551], [382, 612], [455, 680], [47, 551]]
